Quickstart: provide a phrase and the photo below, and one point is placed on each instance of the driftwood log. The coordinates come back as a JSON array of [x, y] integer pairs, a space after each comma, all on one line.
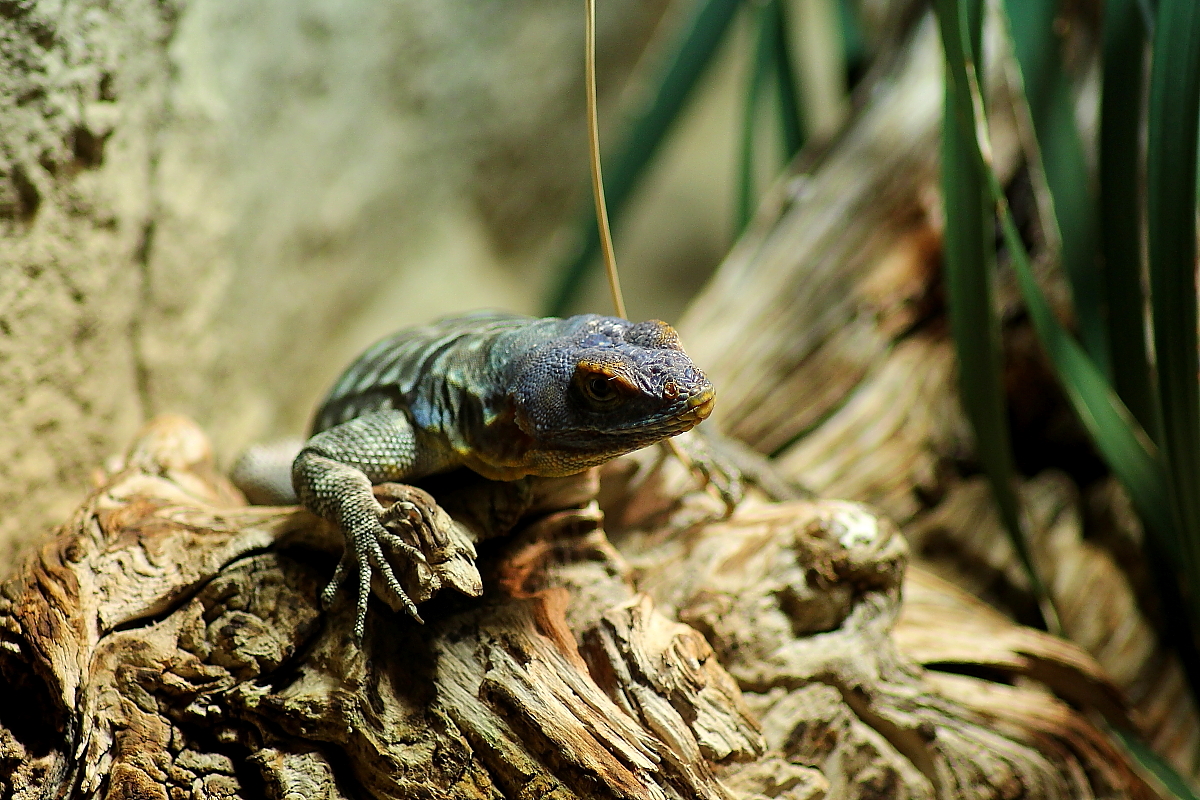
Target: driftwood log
[[168, 643]]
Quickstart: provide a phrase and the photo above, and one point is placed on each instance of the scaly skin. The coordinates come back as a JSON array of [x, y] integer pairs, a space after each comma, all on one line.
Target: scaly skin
[[505, 395]]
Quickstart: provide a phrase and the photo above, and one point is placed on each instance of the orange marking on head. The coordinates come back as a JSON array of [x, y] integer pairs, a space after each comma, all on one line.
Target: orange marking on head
[[667, 334], [613, 369]]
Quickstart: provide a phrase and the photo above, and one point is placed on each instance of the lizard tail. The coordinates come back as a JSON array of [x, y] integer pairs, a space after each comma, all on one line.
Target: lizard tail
[[264, 472]]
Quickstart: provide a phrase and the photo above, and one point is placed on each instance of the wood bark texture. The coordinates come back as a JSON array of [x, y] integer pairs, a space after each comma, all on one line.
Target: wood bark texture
[[168, 643]]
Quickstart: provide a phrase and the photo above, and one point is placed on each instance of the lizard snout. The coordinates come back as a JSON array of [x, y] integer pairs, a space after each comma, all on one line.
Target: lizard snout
[[701, 405]]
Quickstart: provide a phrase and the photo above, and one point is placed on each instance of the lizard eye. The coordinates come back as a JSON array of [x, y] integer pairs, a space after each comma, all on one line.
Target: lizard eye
[[597, 390]]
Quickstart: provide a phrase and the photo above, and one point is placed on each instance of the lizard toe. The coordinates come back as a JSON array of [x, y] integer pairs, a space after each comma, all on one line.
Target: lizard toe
[[388, 575], [421, 521], [731, 490], [329, 593], [404, 548], [726, 480], [400, 512], [364, 594], [714, 470], [407, 516]]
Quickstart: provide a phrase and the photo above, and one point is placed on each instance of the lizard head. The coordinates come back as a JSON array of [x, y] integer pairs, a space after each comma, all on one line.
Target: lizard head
[[603, 387]]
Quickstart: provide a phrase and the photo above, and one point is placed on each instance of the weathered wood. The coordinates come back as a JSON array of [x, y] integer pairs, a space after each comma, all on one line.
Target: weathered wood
[[963, 541], [799, 601], [176, 639], [169, 643]]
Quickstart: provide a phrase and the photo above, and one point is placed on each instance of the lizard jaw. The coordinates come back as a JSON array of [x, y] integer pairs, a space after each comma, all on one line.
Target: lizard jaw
[[700, 406]]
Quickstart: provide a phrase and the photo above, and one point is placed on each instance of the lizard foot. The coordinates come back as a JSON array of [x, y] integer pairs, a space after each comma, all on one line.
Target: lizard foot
[[725, 480], [363, 556], [412, 548], [448, 545], [729, 467], [713, 467]]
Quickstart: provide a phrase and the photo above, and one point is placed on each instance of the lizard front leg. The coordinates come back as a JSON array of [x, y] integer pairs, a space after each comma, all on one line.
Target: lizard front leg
[[333, 476]]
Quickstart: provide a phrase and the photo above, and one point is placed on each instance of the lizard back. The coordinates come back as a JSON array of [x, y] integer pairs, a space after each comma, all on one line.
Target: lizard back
[[429, 371]]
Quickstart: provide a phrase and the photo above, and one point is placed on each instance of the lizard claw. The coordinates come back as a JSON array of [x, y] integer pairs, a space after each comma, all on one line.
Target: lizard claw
[[419, 520], [403, 546], [364, 557], [713, 468], [727, 481], [402, 512], [405, 516]]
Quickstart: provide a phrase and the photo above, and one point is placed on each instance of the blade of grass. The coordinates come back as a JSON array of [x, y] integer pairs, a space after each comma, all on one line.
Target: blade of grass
[[1120, 210], [1154, 764], [1171, 227], [1122, 442], [968, 252], [1129, 452], [786, 83], [772, 60], [853, 42], [765, 46], [1149, 9], [1063, 161], [688, 59], [593, 126]]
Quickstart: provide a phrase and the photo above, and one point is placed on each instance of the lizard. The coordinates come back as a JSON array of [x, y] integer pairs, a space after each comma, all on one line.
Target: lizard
[[505, 395]]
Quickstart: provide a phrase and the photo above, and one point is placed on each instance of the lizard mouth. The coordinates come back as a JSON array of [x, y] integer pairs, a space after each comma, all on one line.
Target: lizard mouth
[[700, 405]]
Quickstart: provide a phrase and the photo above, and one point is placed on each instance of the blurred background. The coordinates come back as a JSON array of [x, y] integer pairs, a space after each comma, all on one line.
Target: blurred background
[[210, 207]]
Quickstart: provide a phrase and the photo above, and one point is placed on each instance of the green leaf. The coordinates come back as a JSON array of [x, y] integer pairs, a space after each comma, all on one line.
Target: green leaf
[[772, 60], [1121, 441], [791, 118], [692, 53], [1156, 765], [765, 42], [1171, 222], [1120, 212], [1129, 452], [1063, 160], [969, 252], [854, 43]]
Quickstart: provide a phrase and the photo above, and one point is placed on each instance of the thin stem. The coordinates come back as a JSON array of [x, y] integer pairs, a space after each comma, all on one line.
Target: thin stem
[[688, 57], [606, 245]]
